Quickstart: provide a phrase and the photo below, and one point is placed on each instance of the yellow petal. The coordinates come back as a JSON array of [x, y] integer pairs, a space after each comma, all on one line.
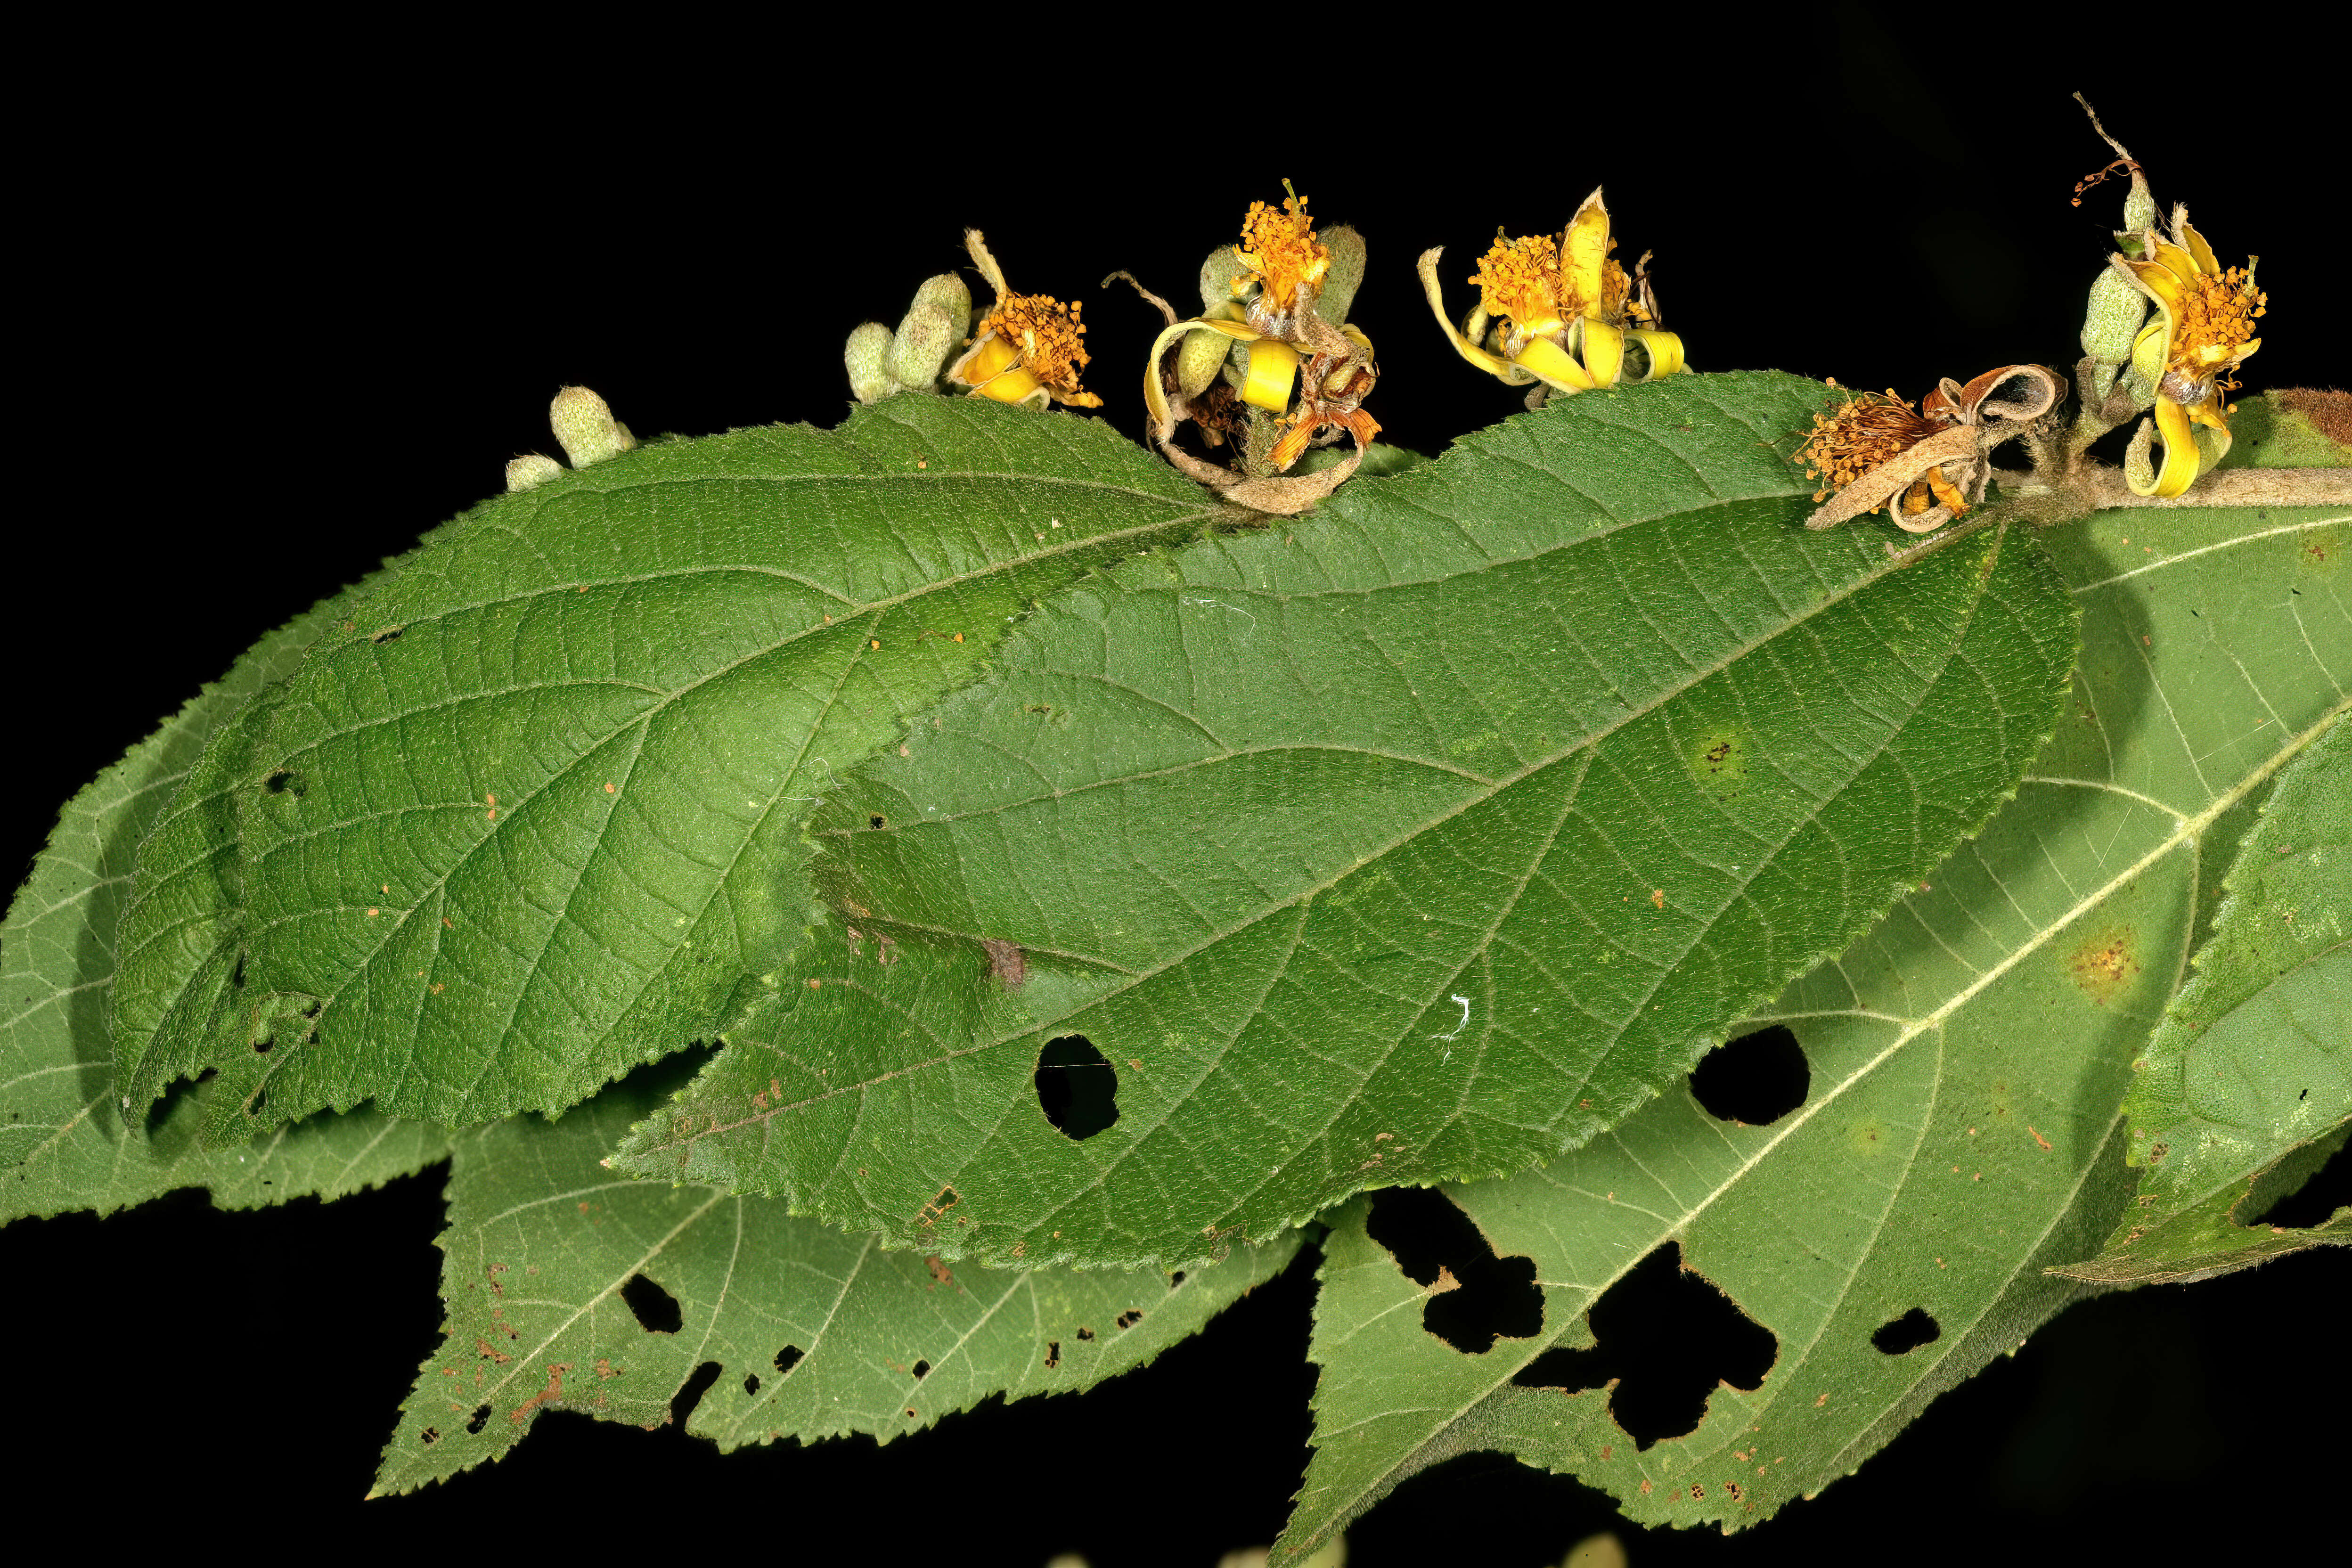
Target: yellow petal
[[2165, 286], [2149, 348], [992, 369], [2180, 456], [1605, 353], [1549, 364], [2181, 263], [1501, 369], [1272, 368], [1665, 349], [1155, 397], [2198, 249], [1582, 250]]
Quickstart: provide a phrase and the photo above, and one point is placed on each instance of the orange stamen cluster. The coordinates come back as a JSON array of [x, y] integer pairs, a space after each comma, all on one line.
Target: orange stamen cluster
[[1048, 332], [2217, 320], [1848, 443], [1279, 247], [1521, 280]]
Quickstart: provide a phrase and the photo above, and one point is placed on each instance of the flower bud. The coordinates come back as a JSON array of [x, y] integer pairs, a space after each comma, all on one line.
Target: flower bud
[[1340, 284], [921, 345], [585, 429], [948, 293], [529, 471], [868, 359]]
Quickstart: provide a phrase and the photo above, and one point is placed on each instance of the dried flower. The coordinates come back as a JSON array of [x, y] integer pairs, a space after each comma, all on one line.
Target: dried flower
[[1935, 458], [1027, 349]]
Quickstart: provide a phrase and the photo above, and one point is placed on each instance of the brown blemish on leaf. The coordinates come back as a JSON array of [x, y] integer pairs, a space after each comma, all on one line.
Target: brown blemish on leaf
[[1442, 1283], [554, 1391], [1646, 1488], [605, 1367], [1658, 897], [1007, 964], [2038, 1138], [2330, 413], [940, 1273], [490, 1352], [2102, 965]]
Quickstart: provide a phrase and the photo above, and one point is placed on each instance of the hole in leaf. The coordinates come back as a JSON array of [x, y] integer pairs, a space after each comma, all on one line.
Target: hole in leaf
[[922, 1369], [1175, 1279], [1077, 1087], [1666, 1337], [2327, 1189], [1906, 1334], [431, 1435], [389, 634], [787, 1358], [284, 781], [481, 1418], [1493, 1298], [657, 1310], [877, 820], [750, 1383], [1052, 1354], [1757, 1079], [682, 1402], [1128, 1318], [262, 1047], [1084, 1333]]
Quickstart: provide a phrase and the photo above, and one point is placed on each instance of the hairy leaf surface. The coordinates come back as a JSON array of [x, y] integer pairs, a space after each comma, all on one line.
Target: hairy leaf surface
[[530, 815], [1960, 1130], [1421, 838], [568, 1288], [2253, 1060], [62, 1146]]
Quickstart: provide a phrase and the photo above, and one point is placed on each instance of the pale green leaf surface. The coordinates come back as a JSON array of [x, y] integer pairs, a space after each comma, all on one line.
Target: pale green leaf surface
[[1960, 1134], [1420, 838], [62, 1145], [817, 1333], [2254, 1058], [532, 815]]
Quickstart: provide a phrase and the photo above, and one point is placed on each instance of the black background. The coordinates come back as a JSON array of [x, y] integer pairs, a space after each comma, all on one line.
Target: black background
[[290, 309]]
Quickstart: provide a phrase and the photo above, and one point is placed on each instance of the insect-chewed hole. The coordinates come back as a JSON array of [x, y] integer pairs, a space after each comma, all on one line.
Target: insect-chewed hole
[[658, 1311], [1906, 1334], [1128, 1318], [480, 1418], [922, 1369], [751, 1382], [876, 820], [1491, 1298], [1756, 1080], [284, 781], [1175, 1279], [690, 1393], [389, 634], [1052, 1354], [2313, 1200], [787, 1358], [1667, 1337], [1077, 1087]]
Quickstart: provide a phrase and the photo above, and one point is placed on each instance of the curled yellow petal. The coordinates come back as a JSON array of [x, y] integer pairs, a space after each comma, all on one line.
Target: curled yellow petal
[[1605, 353], [1660, 354], [1155, 397], [1273, 370], [1501, 369], [994, 369], [1549, 364], [2181, 457]]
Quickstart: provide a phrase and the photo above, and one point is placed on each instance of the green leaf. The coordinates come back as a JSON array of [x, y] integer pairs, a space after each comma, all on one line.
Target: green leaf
[[530, 815], [62, 1145], [1421, 838], [569, 1288], [1960, 1134], [2254, 1058]]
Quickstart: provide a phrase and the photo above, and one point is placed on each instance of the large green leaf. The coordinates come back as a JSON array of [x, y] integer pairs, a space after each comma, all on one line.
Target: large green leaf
[[1421, 838], [568, 1288], [531, 814], [1961, 1132], [2253, 1060], [62, 1146]]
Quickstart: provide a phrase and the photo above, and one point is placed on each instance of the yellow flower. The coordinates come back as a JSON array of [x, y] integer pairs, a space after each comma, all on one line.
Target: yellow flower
[[2204, 329], [1027, 349], [1561, 312]]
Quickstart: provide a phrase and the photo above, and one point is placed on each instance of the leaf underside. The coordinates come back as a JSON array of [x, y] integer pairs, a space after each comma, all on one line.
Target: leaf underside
[[1959, 1132], [1421, 838]]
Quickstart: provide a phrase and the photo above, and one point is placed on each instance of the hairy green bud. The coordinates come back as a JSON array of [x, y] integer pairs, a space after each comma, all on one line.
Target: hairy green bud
[[529, 471], [868, 359], [1347, 273], [585, 429], [921, 345]]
